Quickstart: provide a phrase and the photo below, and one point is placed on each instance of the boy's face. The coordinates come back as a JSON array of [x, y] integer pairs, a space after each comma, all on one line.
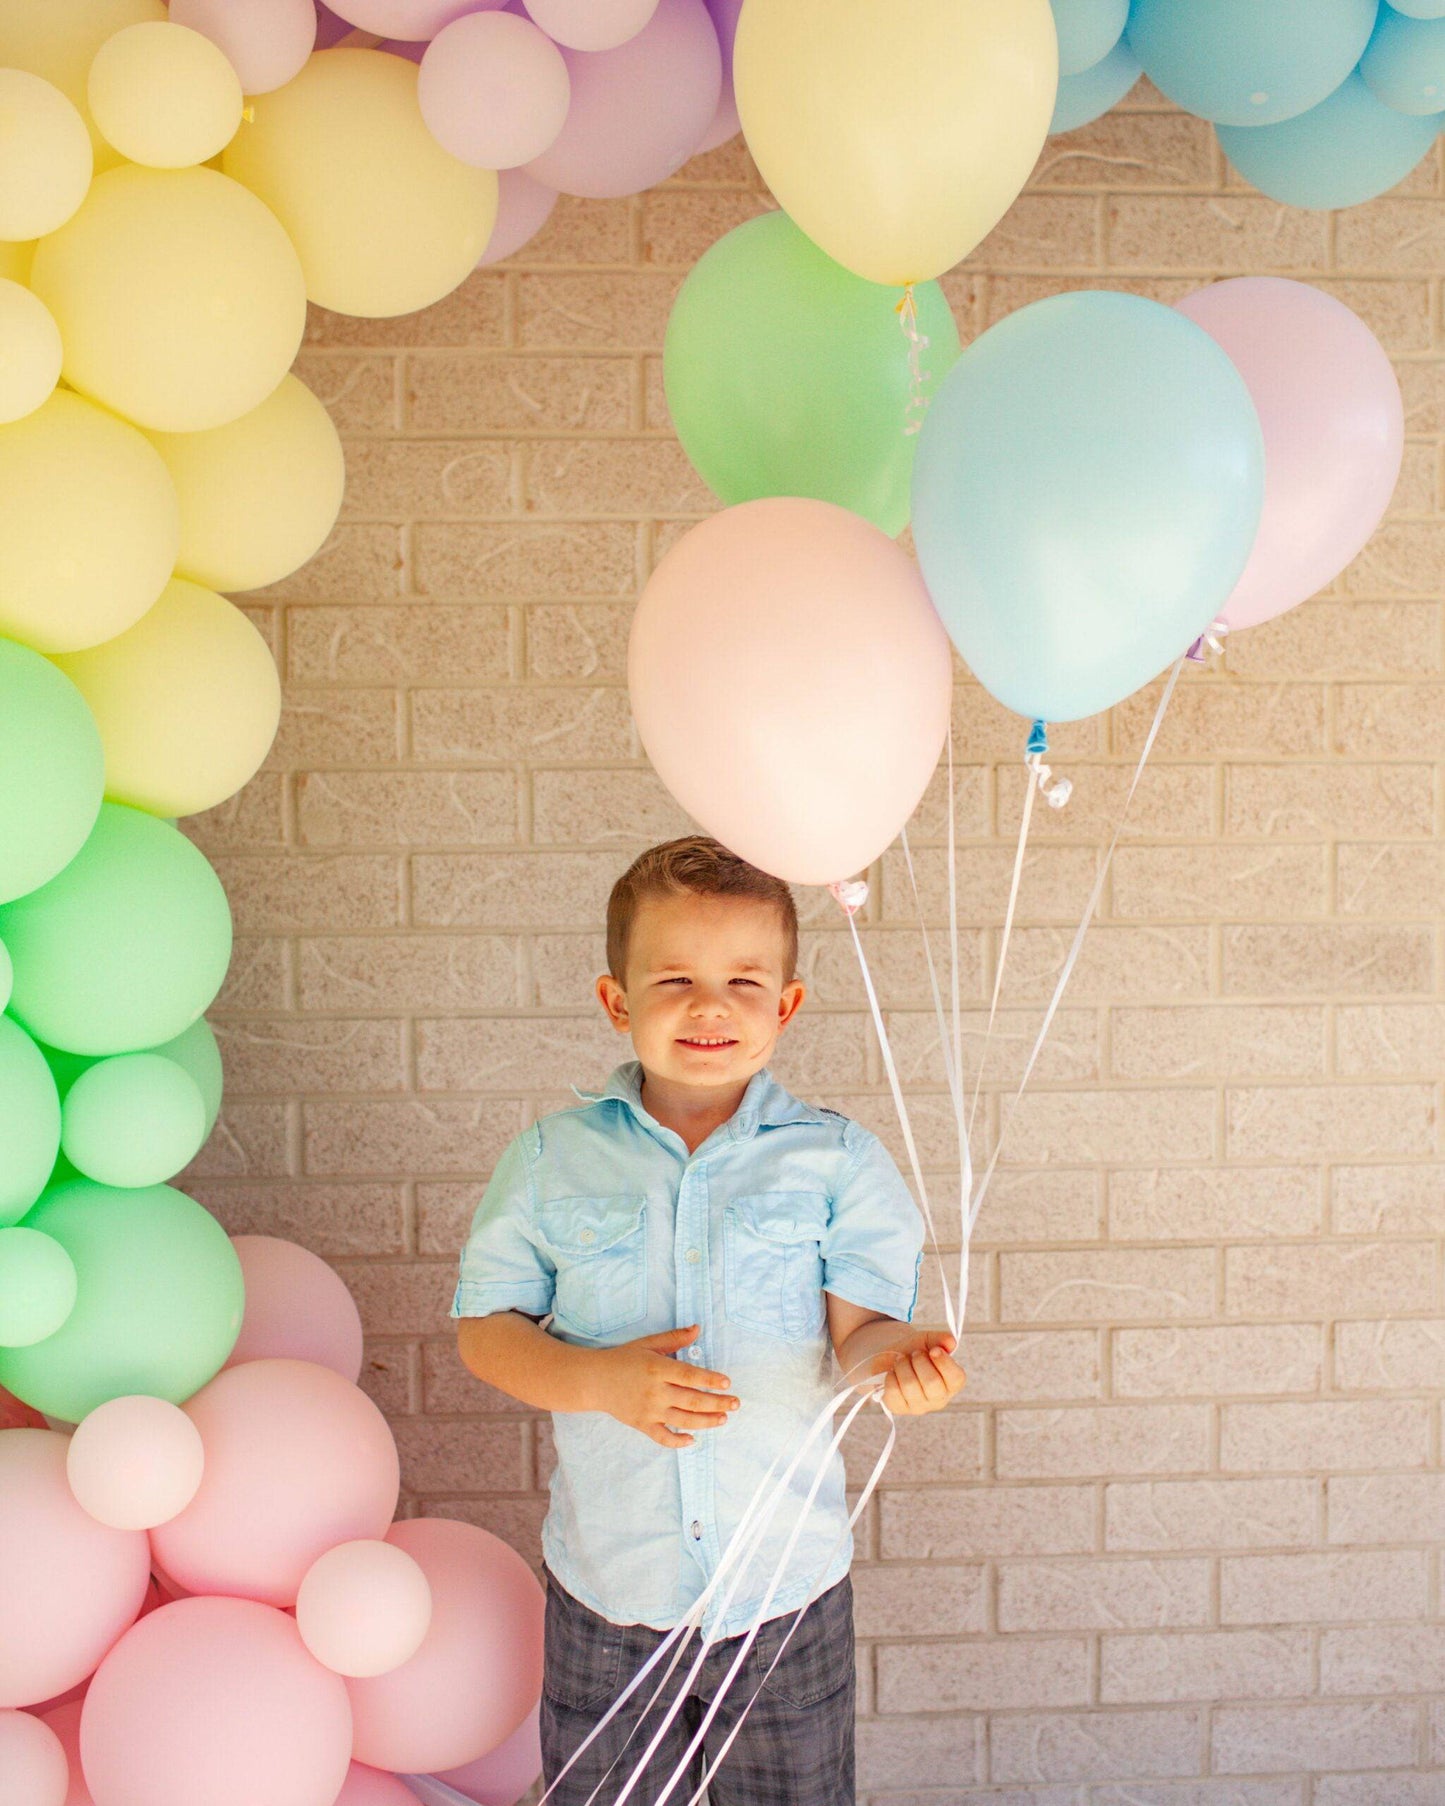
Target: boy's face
[[705, 995]]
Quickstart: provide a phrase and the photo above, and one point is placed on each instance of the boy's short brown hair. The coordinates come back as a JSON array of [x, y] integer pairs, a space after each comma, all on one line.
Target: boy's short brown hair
[[699, 864]]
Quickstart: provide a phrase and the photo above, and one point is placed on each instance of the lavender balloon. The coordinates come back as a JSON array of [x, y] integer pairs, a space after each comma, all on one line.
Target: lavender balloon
[[524, 206], [725, 122]]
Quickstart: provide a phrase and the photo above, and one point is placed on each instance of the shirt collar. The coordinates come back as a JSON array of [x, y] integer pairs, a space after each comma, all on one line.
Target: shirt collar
[[765, 1104]]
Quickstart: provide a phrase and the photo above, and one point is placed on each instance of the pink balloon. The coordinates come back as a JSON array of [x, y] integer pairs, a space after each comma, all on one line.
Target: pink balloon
[[592, 24], [134, 1462], [297, 1308], [504, 1775], [523, 207], [266, 42], [791, 683], [68, 1586], [479, 1669], [33, 1767], [215, 1700], [409, 20], [65, 1722], [1334, 432], [639, 112], [373, 1787], [297, 1459], [725, 123], [493, 90], [363, 1608]]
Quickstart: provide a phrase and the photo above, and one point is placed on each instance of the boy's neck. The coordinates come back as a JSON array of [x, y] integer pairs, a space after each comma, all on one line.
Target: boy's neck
[[691, 1111]]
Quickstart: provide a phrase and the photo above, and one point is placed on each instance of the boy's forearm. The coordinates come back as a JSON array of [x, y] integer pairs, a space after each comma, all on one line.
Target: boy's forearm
[[519, 1358], [881, 1336]]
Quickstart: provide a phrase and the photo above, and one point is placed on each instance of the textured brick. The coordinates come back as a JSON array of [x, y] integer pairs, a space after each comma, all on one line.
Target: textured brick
[[897, 1754], [336, 646], [1303, 1589], [1203, 1363], [1395, 1355], [328, 1219], [1351, 1279], [984, 1677], [1377, 880], [1119, 1439], [1121, 1125], [1386, 1200], [347, 727], [403, 809], [931, 1523], [1202, 882], [472, 392], [503, 725], [1203, 1665], [1315, 802], [1385, 1508], [407, 1136], [285, 1057], [1211, 1514], [1390, 1038], [1355, 639], [1094, 1746], [1030, 1365], [1240, 235], [930, 1600], [407, 972], [1406, 1658], [1292, 1123], [502, 562], [1102, 1595], [1219, 1204], [1247, 1739], [1327, 961], [1189, 1041], [1331, 1433], [1109, 1286]]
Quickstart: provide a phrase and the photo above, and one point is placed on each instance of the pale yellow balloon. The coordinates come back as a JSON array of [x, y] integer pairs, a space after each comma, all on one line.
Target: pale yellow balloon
[[163, 95], [187, 702], [258, 497], [45, 159], [89, 525], [896, 136], [385, 221], [59, 38], [178, 297], [29, 351]]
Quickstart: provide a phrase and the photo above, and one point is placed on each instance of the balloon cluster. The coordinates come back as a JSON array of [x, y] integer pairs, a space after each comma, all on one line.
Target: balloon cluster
[[1318, 103]]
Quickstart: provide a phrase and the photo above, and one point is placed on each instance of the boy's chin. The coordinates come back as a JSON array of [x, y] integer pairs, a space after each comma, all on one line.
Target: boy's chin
[[702, 1068]]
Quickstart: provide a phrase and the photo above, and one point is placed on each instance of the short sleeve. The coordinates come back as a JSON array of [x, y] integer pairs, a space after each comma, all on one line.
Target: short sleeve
[[502, 1269], [874, 1245]]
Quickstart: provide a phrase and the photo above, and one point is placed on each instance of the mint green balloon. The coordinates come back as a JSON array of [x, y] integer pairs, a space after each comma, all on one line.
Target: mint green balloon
[[134, 1119], [197, 1052], [37, 1287], [788, 375], [53, 770], [126, 947], [7, 977], [158, 1303], [29, 1122]]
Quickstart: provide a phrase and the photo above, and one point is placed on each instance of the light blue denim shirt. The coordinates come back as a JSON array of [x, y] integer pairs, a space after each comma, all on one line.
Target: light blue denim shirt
[[599, 1216]]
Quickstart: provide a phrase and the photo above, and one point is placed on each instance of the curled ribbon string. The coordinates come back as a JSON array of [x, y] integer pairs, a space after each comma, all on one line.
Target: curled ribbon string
[[907, 311]]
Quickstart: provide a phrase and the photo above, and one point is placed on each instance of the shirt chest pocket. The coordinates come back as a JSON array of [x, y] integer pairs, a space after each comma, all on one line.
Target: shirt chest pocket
[[599, 1246], [773, 1262]]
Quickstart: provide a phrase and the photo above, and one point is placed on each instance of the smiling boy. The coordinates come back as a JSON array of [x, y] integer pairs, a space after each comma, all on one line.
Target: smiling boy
[[699, 1240]]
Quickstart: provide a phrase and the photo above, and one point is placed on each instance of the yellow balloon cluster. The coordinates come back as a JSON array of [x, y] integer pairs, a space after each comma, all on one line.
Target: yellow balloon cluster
[[59, 40], [45, 156], [163, 95]]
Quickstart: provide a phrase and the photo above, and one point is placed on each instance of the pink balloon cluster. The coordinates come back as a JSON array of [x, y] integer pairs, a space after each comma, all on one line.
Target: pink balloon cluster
[[213, 1602]]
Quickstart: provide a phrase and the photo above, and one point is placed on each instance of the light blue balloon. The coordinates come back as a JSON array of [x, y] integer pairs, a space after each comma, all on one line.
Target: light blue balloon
[[1088, 30], [1086, 492], [1421, 9], [1404, 66], [1346, 150], [1249, 62], [1084, 98]]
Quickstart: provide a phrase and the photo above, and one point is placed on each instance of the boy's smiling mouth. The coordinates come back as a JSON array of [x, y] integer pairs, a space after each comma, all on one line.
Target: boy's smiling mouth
[[706, 1042]]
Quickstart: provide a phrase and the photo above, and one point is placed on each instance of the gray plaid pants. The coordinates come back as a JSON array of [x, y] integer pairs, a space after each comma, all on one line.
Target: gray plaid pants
[[796, 1744]]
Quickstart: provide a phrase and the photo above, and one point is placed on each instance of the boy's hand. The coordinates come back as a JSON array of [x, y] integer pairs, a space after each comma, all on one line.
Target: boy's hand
[[922, 1373], [642, 1383]]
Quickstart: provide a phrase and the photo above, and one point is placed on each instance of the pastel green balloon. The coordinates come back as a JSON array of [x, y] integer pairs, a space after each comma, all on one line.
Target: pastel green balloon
[[197, 1052], [37, 1287], [29, 1122], [158, 1302], [126, 947], [788, 375], [54, 770], [7, 977], [134, 1119]]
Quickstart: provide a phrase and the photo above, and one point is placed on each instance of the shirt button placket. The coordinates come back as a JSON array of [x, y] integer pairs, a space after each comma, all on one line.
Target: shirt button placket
[[695, 1464]]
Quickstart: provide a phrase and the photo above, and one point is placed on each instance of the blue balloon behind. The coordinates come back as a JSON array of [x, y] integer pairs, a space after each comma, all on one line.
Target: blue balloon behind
[[1086, 492], [1084, 98], [1088, 30], [1405, 64], [1346, 150], [1249, 62]]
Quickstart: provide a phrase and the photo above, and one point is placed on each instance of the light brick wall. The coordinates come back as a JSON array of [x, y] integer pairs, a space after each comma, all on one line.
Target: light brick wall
[[1179, 1545]]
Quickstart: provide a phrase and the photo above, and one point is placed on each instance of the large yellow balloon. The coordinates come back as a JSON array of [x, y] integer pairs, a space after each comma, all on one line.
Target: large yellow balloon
[[29, 351], [163, 95], [897, 136], [59, 38], [88, 526], [177, 294], [186, 702], [386, 222], [259, 496], [45, 157]]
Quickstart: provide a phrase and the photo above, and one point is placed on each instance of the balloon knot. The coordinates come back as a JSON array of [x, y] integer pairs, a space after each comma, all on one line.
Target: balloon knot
[[1055, 795], [1211, 640], [1038, 741], [850, 894]]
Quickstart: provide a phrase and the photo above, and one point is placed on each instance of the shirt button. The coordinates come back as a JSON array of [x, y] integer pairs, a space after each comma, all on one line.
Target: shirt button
[[587, 1235], [694, 1353], [693, 1257], [696, 1530]]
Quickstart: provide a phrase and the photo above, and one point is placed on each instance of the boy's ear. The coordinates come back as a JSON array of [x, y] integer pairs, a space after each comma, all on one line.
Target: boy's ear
[[613, 999], [790, 1001]]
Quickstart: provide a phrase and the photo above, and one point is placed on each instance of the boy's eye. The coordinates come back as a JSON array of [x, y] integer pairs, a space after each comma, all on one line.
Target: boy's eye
[[745, 981], [676, 981]]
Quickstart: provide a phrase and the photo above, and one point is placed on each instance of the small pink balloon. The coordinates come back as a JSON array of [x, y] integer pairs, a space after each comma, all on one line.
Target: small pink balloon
[[504, 1774], [1334, 432], [33, 1768], [297, 1459], [523, 207], [810, 767], [297, 1308], [493, 90], [410, 20], [215, 1700], [68, 1586], [725, 123], [363, 1608], [65, 1722], [592, 24], [639, 112], [135, 1462], [373, 1787], [479, 1669], [266, 42]]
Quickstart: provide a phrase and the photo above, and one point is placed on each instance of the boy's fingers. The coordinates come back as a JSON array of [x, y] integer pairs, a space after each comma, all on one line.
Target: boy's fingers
[[701, 1379], [709, 1403], [908, 1386], [929, 1379], [670, 1439], [668, 1341]]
